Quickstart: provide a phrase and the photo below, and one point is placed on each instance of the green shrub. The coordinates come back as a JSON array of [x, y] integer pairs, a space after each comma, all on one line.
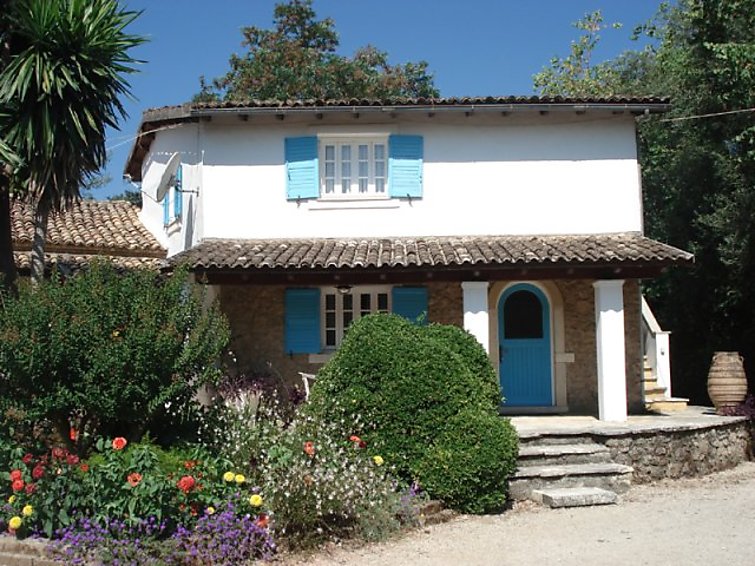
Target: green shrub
[[470, 462], [105, 351], [472, 355], [401, 384]]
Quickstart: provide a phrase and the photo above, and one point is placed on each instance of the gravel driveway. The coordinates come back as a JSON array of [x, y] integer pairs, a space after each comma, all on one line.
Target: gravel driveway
[[705, 521]]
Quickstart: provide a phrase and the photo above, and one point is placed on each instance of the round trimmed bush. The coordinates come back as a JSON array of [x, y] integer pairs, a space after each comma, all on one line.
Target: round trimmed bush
[[402, 383], [470, 462]]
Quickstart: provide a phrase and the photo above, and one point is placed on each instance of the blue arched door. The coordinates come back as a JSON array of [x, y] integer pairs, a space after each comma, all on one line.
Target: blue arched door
[[524, 337]]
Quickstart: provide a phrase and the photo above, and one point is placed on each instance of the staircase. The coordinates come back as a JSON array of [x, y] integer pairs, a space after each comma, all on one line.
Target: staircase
[[657, 368], [561, 470], [656, 398]]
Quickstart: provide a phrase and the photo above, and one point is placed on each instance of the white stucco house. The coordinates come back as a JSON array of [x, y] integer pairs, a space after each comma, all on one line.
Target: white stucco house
[[518, 218]]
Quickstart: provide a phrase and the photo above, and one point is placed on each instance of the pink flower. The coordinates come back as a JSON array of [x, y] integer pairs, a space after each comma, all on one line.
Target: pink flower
[[134, 478], [119, 443], [309, 448]]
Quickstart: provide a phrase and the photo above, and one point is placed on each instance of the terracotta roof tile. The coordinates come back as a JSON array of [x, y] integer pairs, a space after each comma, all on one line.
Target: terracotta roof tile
[[429, 251], [90, 228]]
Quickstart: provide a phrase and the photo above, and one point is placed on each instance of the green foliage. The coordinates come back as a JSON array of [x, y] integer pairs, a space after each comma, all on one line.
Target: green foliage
[[319, 480], [426, 400], [470, 462], [576, 75], [106, 350], [402, 383], [134, 197], [297, 60]]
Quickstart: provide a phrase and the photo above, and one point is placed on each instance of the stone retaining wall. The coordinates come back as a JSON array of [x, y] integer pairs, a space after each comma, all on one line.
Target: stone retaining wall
[[676, 453]]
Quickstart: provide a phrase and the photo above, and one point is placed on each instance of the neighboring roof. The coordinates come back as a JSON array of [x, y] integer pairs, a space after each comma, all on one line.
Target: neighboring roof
[[109, 229], [614, 250], [156, 118]]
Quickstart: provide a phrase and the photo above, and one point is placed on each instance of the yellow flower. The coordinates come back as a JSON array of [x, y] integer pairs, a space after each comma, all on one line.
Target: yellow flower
[[15, 523], [210, 510], [255, 500], [378, 460], [229, 476], [12, 499], [239, 478], [27, 511]]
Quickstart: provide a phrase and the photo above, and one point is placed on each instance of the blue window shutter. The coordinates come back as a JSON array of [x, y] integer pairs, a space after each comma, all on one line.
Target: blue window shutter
[[302, 321], [411, 303], [166, 208], [177, 194], [302, 173], [405, 154]]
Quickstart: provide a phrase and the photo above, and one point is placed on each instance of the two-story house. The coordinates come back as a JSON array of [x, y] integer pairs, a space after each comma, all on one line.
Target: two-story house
[[518, 218]]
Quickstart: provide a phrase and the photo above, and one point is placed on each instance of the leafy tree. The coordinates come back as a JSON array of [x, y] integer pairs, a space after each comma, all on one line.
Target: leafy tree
[[107, 349], [298, 60], [134, 197], [60, 89], [698, 173]]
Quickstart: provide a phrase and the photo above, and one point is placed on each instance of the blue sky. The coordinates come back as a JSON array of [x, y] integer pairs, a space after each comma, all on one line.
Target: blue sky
[[473, 47]]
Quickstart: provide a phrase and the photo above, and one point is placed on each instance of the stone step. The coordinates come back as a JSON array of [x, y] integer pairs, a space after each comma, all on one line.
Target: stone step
[[10, 559], [610, 476], [586, 453], [669, 405], [555, 437], [574, 497]]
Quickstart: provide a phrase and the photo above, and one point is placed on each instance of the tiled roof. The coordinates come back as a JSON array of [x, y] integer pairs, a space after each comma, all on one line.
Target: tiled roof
[[109, 229], [75, 262], [167, 112], [589, 250]]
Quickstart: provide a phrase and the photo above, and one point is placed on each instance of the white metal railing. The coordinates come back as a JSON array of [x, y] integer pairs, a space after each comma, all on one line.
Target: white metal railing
[[656, 345]]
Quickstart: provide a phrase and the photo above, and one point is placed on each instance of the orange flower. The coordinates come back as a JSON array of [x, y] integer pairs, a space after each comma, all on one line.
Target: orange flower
[[73, 434], [186, 484], [189, 464], [134, 478], [119, 443], [84, 467], [262, 521], [309, 448]]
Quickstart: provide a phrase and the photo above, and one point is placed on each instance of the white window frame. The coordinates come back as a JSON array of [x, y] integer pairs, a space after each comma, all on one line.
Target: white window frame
[[355, 292], [353, 141]]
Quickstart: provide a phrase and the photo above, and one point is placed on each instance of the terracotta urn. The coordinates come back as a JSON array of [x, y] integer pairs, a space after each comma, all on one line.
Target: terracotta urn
[[727, 382]]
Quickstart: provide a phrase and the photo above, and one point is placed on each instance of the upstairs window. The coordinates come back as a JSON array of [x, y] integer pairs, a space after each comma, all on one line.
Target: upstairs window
[[353, 167]]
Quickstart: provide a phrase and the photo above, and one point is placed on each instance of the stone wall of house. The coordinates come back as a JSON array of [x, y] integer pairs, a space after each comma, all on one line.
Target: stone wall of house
[[255, 313], [579, 329], [682, 452]]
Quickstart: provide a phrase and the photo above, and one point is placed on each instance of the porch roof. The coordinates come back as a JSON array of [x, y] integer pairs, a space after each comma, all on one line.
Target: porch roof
[[614, 252]]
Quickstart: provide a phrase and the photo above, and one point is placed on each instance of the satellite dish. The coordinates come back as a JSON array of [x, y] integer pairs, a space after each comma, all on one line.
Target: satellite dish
[[168, 176]]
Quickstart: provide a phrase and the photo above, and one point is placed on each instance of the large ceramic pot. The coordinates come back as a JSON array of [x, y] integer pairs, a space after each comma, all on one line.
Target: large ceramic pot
[[727, 382]]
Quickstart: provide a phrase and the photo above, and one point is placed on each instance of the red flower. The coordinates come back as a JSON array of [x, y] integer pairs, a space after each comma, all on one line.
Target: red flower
[[186, 484], [17, 485], [309, 448], [355, 438], [38, 471], [31, 488], [58, 453], [15, 475], [134, 478], [189, 464], [262, 521], [27, 458], [84, 467], [72, 459], [73, 434], [119, 443]]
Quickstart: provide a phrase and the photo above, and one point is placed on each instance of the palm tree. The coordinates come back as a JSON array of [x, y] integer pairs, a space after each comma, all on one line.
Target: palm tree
[[61, 85]]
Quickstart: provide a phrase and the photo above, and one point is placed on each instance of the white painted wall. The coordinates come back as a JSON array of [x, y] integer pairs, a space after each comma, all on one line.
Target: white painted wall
[[541, 175]]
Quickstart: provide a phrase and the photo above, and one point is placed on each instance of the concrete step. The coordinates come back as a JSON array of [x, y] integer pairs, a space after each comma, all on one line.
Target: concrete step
[[586, 453], [574, 497], [609, 476], [669, 405]]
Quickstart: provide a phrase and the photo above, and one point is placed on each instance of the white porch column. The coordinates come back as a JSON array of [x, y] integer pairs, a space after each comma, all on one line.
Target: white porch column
[[475, 304], [609, 330]]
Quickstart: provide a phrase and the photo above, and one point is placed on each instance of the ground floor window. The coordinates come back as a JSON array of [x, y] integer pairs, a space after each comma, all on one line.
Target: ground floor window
[[344, 304]]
